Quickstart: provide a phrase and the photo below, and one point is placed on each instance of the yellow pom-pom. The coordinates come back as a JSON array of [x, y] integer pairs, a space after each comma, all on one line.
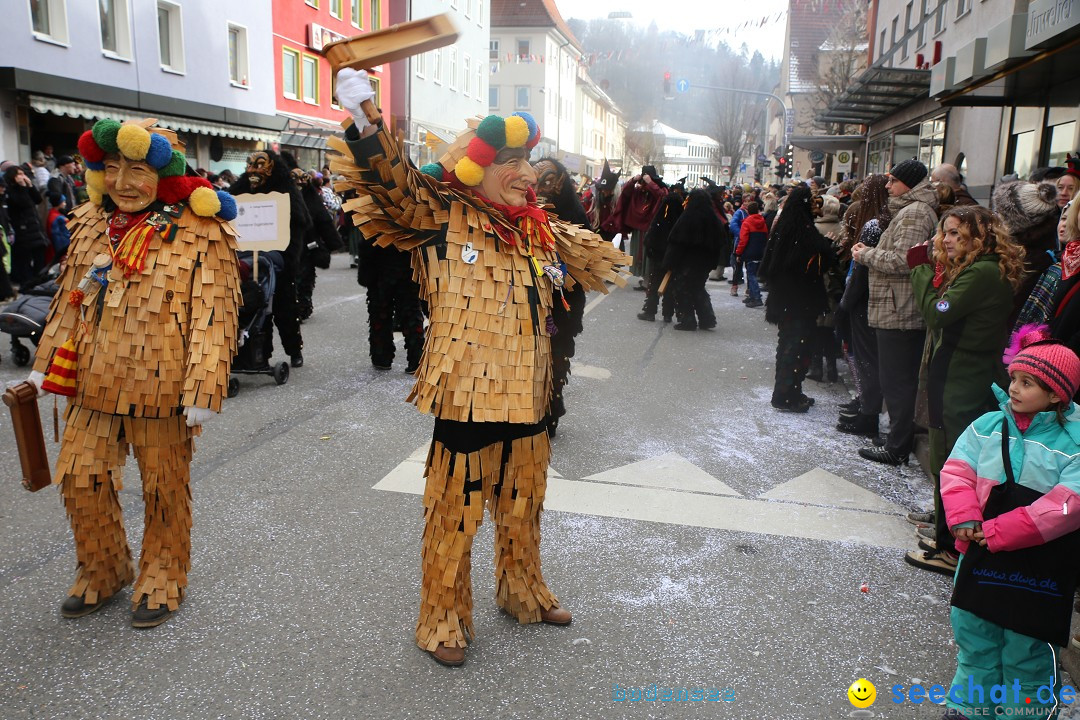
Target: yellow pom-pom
[[95, 196], [204, 202], [468, 172], [133, 141], [517, 131], [95, 180]]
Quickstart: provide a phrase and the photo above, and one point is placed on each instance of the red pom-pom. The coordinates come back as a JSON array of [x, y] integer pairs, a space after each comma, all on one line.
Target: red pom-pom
[[534, 140], [177, 189], [480, 152], [89, 149]]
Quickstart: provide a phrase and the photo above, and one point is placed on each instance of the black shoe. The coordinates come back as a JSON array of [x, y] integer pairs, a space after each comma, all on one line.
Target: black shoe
[[852, 407], [648, 317], [800, 404], [667, 318], [808, 400], [75, 606], [859, 425], [685, 326], [411, 368], [881, 455], [379, 365], [879, 441], [144, 617], [754, 304], [707, 326], [297, 360]]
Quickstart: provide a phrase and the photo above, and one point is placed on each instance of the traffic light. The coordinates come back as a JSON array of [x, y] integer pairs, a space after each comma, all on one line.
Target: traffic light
[[667, 85], [781, 168], [791, 160]]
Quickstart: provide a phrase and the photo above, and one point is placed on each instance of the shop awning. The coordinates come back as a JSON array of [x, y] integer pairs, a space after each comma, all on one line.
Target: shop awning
[[829, 143], [876, 93], [444, 135], [74, 108], [307, 132]]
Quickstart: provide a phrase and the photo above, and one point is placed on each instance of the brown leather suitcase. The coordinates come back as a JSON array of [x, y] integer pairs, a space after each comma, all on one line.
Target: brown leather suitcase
[[22, 399]]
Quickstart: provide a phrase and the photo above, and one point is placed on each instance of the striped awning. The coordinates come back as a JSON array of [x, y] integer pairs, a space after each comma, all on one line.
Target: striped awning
[[90, 111]]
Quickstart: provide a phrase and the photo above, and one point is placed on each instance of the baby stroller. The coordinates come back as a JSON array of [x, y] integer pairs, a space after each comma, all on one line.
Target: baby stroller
[[25, 317], [256, 320]]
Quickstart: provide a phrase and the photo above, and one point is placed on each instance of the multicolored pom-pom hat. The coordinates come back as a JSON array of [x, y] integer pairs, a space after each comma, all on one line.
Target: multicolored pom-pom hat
[[160, 149], [476, 148]]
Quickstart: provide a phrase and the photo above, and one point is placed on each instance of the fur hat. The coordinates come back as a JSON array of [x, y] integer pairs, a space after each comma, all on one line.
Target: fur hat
[[1022, 205], [910, 172]]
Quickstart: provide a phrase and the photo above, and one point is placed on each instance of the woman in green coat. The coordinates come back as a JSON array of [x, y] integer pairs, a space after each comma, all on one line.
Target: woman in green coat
[[964, 285]]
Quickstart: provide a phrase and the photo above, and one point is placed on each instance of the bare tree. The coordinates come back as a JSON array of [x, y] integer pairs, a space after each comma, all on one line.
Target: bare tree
[[737, 117], [841, 60]]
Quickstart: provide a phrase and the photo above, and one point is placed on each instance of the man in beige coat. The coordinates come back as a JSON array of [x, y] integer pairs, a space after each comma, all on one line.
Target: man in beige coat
[[893, 314]]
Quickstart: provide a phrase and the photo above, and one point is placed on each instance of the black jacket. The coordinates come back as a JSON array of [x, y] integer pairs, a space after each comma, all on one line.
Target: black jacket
[[22, 205]]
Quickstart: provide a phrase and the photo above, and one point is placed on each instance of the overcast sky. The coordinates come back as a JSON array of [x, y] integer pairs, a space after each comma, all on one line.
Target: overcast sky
[[687, 16]]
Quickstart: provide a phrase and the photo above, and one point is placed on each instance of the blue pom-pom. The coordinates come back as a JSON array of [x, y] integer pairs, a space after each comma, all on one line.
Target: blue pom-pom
[[94, 165], [160, 152], [435, 170], [228, 206], [533, 127]]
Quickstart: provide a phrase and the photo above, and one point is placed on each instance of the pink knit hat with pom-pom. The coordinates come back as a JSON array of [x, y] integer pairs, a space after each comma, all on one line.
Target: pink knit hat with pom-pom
[[1043, 358]]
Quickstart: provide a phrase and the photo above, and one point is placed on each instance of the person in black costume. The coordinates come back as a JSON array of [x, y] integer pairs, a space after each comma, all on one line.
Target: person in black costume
[[267, 172], [656, 244], [794, 264], [393, 301], [320, 240], [693, 251], [554, 185], [28, 242]]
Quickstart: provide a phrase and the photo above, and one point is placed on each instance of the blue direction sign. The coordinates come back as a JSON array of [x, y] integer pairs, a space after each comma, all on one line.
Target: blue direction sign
[[682, 85]]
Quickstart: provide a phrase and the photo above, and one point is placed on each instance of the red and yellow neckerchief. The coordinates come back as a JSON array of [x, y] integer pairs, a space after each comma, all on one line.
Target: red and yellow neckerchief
[[129, 241]]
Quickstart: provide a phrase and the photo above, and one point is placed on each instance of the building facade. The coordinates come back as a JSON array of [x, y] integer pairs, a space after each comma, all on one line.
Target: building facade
[[303, 81], [193, 65], [984, 85], [448, 85], [534, 60], [601, 130]]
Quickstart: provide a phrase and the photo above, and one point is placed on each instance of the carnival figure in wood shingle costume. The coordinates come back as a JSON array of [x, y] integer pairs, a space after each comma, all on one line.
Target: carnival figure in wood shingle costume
[[490, 263], [139, 338]]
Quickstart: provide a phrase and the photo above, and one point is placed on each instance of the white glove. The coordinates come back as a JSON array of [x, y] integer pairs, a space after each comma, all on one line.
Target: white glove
[[353, 88], [37, 379], [197, 415]]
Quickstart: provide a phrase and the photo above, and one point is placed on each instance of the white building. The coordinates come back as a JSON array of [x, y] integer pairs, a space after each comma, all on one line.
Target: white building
[[534, 60], [450, 84], [202, 67], [685, 155], [601, 130]]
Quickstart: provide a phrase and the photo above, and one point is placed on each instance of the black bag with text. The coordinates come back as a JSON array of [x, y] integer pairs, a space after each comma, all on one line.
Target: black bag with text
[[1028, 591]]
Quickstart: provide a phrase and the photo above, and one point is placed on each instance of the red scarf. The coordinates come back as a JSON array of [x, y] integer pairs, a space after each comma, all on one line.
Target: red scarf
[[530, 219], [1070, 259]]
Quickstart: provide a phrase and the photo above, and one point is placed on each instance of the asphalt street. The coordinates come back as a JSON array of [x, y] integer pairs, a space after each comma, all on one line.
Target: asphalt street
[[701, 539]]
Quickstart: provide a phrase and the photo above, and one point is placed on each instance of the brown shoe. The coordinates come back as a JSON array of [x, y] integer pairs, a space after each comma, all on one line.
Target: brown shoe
[[555, 616], [449, 655]]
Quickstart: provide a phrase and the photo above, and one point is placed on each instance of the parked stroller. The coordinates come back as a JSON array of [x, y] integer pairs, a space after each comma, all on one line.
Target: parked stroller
[[256, 320], [25, 317]]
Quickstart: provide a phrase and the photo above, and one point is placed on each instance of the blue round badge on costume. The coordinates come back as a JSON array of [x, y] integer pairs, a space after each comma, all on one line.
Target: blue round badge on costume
[[943, 306]]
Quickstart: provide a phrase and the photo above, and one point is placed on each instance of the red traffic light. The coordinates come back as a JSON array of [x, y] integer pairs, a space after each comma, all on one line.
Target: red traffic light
[[667, 76]]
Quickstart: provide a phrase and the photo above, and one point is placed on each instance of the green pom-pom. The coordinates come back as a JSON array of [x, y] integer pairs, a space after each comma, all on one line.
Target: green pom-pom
[[176, 166], [492, 130], [105, 135], [435, 170]]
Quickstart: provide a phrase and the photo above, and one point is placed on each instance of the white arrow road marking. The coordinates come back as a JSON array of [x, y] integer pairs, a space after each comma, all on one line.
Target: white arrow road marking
[[670, 471], [678, 493], [821, 487]]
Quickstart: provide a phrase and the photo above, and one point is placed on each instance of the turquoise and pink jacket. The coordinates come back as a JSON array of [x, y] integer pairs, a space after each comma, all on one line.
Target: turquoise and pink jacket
[[1046, 458]]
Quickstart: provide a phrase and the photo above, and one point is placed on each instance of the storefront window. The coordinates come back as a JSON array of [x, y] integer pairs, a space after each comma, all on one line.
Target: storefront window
[[1021, 150], [879, 153], [932, 141], [1061, 143]]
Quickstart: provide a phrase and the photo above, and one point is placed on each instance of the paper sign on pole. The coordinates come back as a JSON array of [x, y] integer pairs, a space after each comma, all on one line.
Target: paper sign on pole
[[262, 221]]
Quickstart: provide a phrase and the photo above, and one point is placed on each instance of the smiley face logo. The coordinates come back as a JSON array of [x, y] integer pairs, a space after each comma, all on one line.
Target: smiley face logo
[[862, 693]]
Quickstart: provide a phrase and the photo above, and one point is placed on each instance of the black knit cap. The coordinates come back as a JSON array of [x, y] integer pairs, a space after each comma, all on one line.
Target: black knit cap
[[910, 172]]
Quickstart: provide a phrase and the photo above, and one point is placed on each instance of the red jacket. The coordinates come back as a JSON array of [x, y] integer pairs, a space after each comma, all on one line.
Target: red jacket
[[753, 234]]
